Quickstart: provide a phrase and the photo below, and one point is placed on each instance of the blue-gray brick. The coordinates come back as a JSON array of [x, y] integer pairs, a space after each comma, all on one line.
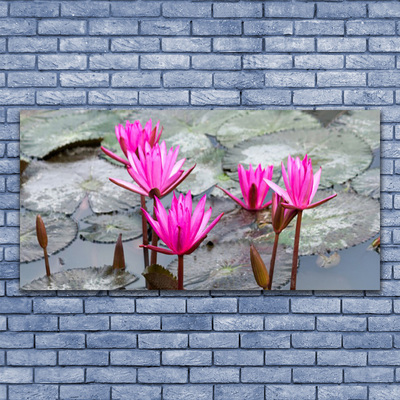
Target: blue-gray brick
[[342, 358], [110, 340], [341, 45], [235, 392], [32, 322], [93, 391], [366, 306], [289, 79], [19, 26], [88, 45], [186, 323], [84, 323], [368, 97], [369, 374], [345, 10], [319, 61], [384, 357], [17, 61], [34, 9], [290, 392], [136, 79], [239, 357], [215, 97], [342, 78], [288, 10], [62, 61], [317, 96], [16, 340], [317, 375], [186, 10], [288, 45], [113, 27], [341, 323], [162, 375], [212, 305], [110, 375], [267, 61], [316, 340], [193, 45], [261, 340], [262, 96], [217, 27], [319, 27], [135, 44], [83, 357], [135, 322], [127, 392], [248, 10], [367, 341], [64, 97], [164, 61], [32, 45], [109, 96], [214, 375], [289, 322], [109, 305], [266, 375], [57, 306], [152, 97], [241, 323], [214, 339], [85, 9], [216, 62], [237, 45], [135, 357], [165, 28], [60, 375], [260, 28], [370, 61], [187, 79], [113, 61], [32, 79], [31, 357], [290, 357], [37, 392], [16, 375], [83, 79], [268, 305], [184, 392], [163, 340], [389, 9], [135, 9], [187, 357], [334, 392], [61, 27], [365, 27]]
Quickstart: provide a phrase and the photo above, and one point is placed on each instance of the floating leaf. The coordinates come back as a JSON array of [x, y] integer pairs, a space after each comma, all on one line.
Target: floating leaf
[[227, 266], [91, 278], [326, 117], [342, 156], [345, 221], [105, 228], [61, 231], [159, 278], [61, 184], [363, 123], [368, 183], [45, 132], [259, 122]]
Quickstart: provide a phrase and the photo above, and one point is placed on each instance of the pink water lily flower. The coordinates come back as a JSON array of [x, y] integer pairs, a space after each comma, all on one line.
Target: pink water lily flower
[[133, 136], [154, 170], [179, 229], [254, 187], [301, 184]]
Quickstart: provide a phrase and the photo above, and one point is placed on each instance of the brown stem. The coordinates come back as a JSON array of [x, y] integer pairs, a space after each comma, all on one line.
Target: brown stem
[[273, 257], [46, 262], [180, 272], [296, 252], [145, 235], [154, 237]]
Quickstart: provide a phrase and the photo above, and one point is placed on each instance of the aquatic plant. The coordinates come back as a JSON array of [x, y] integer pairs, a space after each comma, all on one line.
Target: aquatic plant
[[179, 229], [301, 186], [253, 186]]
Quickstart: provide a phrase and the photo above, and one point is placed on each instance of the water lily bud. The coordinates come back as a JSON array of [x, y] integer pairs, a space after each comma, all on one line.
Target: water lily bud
[[119, 259], [259, 269], [41, 232]]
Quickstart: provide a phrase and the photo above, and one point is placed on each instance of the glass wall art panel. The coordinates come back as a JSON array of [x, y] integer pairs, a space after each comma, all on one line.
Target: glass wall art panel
[[220, 199]]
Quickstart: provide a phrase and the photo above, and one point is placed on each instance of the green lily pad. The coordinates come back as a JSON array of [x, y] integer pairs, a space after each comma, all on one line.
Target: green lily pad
[[259, 122], [227, 266], [327, 117], [61, 231], [368, 183], [60, 185], [91, 278], [159, 278], [105, 228], [44, 133], [347, 220], [363, 123], [341, 156]]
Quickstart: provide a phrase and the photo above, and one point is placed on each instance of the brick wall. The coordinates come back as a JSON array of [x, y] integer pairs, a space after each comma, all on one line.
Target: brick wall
[[202, 345]]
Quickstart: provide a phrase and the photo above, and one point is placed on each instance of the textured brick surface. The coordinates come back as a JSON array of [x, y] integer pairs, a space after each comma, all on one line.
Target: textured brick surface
[[285, 54]]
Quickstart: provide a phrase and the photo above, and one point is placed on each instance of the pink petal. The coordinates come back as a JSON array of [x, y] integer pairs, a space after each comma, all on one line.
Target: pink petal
[[129, 186], [318, 203], [234, 198], [158, 249], [114, 156], [317, 178], [278, 190]]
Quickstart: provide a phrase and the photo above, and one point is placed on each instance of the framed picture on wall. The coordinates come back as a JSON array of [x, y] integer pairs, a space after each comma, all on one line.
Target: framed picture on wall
[[226, 199]]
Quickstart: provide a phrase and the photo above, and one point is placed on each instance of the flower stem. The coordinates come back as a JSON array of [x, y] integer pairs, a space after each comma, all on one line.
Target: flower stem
[[180, 272], [296, 252], [46, 262], [154, 237], [273, 257], [145, 235]]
